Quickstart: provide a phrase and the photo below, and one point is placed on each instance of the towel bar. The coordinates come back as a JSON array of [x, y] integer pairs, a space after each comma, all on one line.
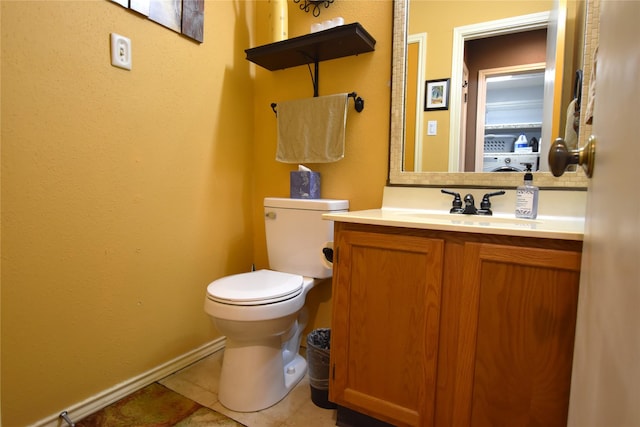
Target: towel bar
[[358, 103]]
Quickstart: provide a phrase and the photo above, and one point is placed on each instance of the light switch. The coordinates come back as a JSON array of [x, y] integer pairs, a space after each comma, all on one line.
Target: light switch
[[432, 127]]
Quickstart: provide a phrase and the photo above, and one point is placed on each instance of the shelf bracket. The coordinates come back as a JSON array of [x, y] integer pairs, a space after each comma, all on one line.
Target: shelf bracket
[[315, 74], [315, 78]]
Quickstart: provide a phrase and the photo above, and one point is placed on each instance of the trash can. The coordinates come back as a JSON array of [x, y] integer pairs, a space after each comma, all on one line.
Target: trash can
[[318, 346]]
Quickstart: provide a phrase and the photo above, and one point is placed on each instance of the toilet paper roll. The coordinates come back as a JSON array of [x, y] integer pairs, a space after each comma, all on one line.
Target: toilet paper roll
[[327, 255]]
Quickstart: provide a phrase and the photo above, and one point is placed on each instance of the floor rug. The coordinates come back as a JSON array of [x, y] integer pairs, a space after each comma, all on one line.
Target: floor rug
[[156, 406]]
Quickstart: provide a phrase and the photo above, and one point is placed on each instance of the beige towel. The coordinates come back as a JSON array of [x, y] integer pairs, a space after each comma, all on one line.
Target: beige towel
[[591, 100], [312, 130], [570, 134]]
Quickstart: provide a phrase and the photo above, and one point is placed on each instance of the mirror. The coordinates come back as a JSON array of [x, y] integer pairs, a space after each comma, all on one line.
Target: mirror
[[447, 120]]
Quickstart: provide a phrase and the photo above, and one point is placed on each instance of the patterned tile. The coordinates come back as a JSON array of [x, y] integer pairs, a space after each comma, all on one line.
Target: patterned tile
[[155, 406], [189, 398], [205, 417], [200, 381]]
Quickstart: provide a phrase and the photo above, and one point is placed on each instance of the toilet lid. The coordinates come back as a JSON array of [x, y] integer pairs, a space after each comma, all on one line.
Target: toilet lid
[[255, 288]]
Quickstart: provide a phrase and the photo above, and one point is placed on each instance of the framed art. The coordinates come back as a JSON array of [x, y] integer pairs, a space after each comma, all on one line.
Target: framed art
[[436, 95], [182, 16]]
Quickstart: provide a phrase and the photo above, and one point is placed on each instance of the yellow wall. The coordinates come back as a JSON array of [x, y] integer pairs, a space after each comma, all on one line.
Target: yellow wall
[[123, 193], [361, 175]]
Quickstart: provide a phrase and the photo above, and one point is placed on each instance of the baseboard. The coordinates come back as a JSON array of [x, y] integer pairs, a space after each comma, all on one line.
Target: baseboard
[[80, 410]]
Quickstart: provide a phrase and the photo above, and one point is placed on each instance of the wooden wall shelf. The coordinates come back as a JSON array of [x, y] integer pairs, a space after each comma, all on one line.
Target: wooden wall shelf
[[337, 42]]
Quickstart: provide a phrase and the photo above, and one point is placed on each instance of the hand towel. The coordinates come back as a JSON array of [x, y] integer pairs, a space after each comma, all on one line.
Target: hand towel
[[591, 100], [570, 134], [312, 130]]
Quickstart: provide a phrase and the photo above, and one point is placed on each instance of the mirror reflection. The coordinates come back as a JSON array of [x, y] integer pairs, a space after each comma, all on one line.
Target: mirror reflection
[[509, 120], [498, 93]]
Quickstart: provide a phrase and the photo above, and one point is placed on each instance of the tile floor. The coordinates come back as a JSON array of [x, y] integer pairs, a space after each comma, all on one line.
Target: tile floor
[[156, 406], [199, 382]]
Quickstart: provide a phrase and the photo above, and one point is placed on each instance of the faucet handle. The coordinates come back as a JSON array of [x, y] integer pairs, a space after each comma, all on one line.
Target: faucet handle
[[457, 201], [485, 204]]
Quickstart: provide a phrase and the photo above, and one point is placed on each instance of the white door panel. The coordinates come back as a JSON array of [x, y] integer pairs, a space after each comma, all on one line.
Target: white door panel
[[605, 388]]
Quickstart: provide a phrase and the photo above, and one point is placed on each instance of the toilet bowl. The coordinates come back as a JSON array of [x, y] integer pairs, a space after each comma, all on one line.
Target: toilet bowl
[[262, 314], [261, 362]]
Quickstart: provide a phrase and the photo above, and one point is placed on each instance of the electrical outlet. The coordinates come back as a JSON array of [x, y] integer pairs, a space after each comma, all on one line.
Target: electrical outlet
[[120, 51]]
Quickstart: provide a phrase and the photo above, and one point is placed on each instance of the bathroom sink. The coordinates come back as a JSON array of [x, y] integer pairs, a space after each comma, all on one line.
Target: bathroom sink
[[560, 213], [556, 227], [457, 218]]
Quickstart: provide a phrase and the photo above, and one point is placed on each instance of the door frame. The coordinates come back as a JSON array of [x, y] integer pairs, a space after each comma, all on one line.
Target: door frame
[[421, 40], [461, 34], [481, 102]]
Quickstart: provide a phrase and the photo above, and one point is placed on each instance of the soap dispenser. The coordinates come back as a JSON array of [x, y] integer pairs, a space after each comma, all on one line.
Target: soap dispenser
[[527, 197]]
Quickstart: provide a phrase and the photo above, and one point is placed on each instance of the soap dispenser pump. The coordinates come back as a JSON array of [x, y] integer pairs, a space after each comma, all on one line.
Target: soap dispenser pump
[[527, 197]]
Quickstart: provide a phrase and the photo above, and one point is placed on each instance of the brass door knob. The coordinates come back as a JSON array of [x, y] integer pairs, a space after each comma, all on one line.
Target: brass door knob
[[560, 157]]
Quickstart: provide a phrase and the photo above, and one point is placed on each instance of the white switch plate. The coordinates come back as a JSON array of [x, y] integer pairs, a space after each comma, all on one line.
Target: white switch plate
[[120, 51], [432, 127]]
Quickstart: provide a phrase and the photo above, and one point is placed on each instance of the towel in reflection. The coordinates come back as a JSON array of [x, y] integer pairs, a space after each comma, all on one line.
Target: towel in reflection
[[573, 119], [591, 100], [312, 130]]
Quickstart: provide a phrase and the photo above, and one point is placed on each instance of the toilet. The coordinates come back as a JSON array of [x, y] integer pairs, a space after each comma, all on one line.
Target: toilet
[[262, 313]]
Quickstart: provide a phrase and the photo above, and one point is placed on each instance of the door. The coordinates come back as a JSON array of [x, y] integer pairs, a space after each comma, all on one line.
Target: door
[[386, 312], [414, 92], [516, 335], [605, 388], [556, 33], [411, 119], [463, 123]]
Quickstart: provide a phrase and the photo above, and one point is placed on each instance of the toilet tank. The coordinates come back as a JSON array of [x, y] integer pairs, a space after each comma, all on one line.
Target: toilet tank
[[296, 234]]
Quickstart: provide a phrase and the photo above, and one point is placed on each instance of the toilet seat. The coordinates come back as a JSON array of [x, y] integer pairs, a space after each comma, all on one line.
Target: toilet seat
[[255, 288]]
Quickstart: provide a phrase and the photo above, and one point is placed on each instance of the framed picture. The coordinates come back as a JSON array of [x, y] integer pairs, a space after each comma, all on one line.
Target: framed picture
[[436, 95]]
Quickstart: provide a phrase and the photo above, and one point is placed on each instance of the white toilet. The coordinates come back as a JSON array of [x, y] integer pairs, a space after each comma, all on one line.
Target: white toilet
[[261, 312]]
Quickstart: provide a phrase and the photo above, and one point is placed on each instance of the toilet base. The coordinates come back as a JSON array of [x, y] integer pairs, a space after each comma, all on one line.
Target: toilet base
[[254, 377]]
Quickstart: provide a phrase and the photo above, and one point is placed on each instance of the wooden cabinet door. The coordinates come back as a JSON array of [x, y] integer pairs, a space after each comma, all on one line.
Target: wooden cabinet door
[[386, 309], [517, 325]]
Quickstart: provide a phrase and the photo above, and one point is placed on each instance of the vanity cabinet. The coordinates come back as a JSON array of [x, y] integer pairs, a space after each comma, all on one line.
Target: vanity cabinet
[[435, 328], [386, 296], [515, 341]]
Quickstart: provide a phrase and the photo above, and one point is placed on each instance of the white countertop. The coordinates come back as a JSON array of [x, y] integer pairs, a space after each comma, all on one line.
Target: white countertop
[[560, 213]]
